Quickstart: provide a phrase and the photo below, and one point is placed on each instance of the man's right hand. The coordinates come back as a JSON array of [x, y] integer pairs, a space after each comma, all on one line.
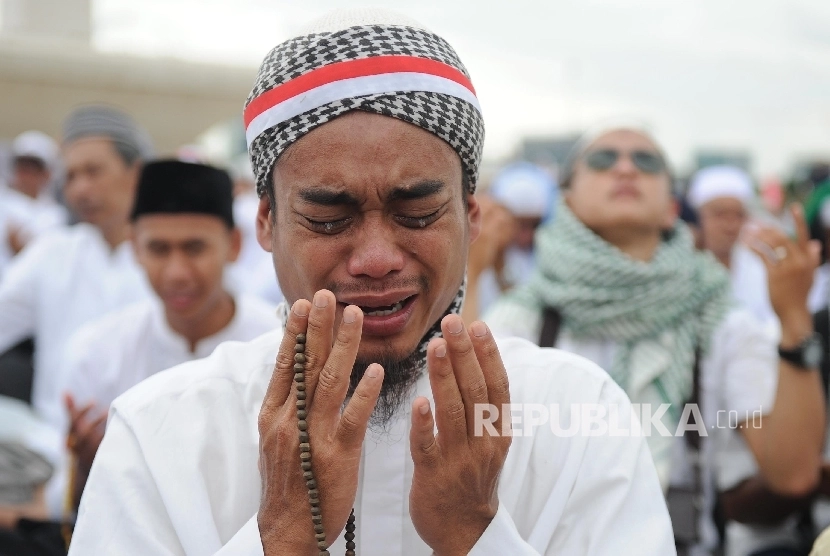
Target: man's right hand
[[284, 517], [86, 430]]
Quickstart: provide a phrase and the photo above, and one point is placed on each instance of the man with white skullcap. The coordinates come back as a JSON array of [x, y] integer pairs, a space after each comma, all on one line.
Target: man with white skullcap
[[365, 136], [27, 208], [67, 278], [722, 197]]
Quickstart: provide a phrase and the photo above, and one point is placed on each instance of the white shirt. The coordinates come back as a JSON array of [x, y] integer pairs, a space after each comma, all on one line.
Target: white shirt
[[31, 217], [57, 284], [739, 374], [177, 471], [109, 356]]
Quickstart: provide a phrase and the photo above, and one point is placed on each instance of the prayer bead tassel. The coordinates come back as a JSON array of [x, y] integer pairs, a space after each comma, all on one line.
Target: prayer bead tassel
[[305, 458]]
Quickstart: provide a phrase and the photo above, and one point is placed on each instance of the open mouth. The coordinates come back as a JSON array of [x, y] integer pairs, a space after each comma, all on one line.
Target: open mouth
[[385, 310]]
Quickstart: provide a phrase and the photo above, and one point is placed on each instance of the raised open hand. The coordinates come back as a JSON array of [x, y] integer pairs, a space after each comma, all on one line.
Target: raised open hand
[[285, 520], [454, 487]]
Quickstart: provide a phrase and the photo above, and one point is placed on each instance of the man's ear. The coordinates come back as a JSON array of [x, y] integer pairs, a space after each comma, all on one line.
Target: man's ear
[[264, 223], [236, 244], [473, 216]]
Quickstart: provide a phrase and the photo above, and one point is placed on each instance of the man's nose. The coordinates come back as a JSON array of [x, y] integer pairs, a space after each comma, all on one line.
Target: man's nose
[[177, 268], [624, 164], [376, 252]]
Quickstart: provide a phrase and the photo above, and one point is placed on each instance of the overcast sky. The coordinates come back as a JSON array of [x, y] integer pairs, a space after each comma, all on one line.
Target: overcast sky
[[737, 74]]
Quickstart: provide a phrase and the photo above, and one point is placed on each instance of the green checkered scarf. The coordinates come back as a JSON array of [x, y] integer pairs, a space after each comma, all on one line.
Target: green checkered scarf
[[656, 312]]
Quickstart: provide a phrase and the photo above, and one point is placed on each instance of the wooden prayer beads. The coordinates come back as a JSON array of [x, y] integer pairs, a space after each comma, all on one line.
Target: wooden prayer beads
[[305, 458]]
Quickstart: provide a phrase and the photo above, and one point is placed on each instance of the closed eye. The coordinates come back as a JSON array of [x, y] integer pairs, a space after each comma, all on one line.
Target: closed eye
[[328, 227], [418, 221]]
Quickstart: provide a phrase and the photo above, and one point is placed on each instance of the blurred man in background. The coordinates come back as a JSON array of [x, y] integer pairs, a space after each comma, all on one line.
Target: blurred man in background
[[620, 282], [27, 207], [67, 278], [185, 237], [503, 257], [723, 196]]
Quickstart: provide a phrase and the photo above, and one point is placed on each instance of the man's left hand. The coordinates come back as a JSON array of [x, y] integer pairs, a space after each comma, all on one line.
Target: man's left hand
[[454, 494], [790, 267]]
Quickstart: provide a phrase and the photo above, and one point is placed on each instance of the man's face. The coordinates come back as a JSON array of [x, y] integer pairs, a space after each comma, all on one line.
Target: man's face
[[622, 196], [30, 175], [721, 221], [372, 208], [99, 186], [184, 256]]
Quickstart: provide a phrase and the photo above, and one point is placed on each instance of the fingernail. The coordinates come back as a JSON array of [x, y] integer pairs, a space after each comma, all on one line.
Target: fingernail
[[441, 350], [349, 315], [455, 326], [373, 371], [424, 408], [479, 329], [320, 300], [300, 309]]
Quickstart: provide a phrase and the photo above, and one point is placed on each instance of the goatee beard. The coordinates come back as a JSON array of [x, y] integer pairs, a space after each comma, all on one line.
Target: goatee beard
[[399, 376]]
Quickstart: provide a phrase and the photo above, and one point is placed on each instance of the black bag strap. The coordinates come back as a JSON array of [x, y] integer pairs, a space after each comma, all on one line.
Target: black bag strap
[[692, 437], [551, 323]]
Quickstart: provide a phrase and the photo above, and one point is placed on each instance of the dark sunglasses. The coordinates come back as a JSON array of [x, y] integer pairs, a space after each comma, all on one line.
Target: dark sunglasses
[[645, 161]]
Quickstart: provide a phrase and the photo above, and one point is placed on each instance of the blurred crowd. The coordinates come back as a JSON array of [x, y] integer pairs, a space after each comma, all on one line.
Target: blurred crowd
[[696, 294]]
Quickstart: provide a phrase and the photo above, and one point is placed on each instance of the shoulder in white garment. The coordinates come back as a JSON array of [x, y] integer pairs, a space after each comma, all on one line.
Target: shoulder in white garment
[[177, 471]]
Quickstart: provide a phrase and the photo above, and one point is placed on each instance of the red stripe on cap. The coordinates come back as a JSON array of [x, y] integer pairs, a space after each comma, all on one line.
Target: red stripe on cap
[[348, 69]]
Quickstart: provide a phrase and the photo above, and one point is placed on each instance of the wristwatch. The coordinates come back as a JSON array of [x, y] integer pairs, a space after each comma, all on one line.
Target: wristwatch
[[808, 355]]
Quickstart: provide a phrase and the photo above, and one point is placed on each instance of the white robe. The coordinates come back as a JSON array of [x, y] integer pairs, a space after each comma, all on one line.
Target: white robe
[[738, 380], [57, 284], [109, 356], [177, 470]]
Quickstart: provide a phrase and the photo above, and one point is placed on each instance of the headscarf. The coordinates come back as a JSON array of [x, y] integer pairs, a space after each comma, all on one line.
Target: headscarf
[[368, 60], [373, 61]]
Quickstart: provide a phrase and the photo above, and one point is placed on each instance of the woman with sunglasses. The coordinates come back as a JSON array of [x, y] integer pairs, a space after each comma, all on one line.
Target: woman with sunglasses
[[620, 282]]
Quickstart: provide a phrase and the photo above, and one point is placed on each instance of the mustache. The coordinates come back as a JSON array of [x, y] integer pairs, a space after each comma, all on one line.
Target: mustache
[[369, 285]]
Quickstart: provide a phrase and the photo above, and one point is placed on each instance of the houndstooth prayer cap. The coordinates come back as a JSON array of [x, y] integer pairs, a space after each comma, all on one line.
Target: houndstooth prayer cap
[[361, 59]]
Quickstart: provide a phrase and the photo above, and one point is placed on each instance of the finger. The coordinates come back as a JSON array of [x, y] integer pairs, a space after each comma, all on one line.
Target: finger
[[764, 242], [465, 365], [69, 402], [333, 381], [318, 338], [495, 375], [814, 252], [449, 407], [422, 444], [352, 426], [279, 386], [81, 414], [802, 232]]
